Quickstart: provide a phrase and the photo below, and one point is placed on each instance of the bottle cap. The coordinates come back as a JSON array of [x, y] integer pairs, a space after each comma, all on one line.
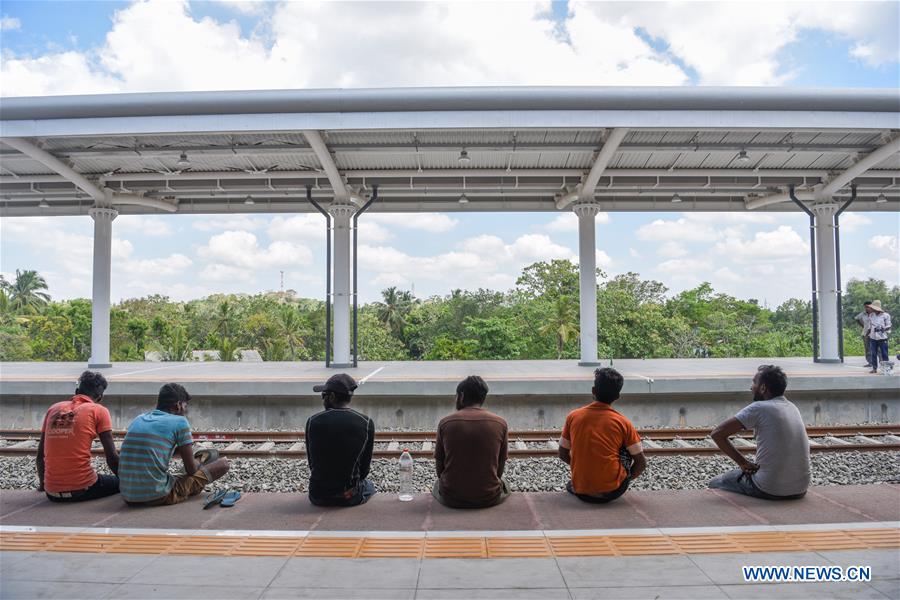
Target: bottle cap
[[406, 449]]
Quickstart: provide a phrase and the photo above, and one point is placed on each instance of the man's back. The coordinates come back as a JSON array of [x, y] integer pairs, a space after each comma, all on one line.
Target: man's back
[[470, 454], [782, 448], [149, 443], [596, 434], [69, 429], [339, 444]]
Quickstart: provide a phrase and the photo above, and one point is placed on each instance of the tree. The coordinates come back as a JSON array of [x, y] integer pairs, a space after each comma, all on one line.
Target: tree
[[137, 329], [26, 293], [291, 329], [394, 309], [550, 280], [563, 323], [177, 346]]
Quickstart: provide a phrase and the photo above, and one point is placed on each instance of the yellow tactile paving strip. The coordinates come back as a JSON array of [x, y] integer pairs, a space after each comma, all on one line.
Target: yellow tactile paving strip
[[453, 547]]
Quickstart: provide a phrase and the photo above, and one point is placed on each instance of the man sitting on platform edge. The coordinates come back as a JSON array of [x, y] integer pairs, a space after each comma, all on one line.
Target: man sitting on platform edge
[[470, 451], [64, 465], [339, 445], [151, 441], [781, 470], [601, 445]]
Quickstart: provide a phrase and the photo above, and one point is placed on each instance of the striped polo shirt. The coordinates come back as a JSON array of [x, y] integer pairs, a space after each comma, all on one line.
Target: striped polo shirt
[[149, 445]]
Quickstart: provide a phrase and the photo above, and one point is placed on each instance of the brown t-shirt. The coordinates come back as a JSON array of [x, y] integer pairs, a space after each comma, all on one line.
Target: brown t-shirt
[[469, 455]]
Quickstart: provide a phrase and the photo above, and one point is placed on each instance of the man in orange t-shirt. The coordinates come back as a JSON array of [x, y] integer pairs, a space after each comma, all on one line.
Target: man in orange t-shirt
[[64, 452], [600, 444]]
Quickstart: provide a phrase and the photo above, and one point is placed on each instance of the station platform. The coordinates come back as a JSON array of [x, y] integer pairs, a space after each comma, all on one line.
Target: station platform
[[675, 544], [529, 394]]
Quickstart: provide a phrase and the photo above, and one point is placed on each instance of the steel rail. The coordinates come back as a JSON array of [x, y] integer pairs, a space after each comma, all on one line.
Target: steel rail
[[666, 433]]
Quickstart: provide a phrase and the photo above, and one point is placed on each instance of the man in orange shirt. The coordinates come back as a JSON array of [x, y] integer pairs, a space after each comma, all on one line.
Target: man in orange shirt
[[64, 452], [601, 445]]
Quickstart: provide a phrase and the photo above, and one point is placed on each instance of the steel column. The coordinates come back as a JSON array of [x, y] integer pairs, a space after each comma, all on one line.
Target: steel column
[[102, 275], [341, 214], [587, 281], [826, 271]]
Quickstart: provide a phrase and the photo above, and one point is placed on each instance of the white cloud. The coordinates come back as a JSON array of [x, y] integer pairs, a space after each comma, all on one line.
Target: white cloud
[[568, 222], [603, 259], [852, 222], [672, 250], [241, 249], [885, 243], [229, 223], [782, 244], [430, 222], [10, 23], [738, 43], [298, 227], [144, 225], [679, 230]]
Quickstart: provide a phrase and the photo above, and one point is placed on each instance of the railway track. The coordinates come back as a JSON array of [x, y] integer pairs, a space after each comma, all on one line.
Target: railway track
[[522, 444]]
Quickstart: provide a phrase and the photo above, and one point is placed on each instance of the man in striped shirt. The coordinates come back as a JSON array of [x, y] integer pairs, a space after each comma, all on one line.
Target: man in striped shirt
[[150, 443]]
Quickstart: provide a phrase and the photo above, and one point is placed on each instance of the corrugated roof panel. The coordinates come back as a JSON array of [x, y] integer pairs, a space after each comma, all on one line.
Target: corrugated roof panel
[[675, 137], [769, 137], [661, 160], [630, 160], [741, 137], [711, 137], [892, 162], [375, 160], [466, 136], [369, 138], [691, 160], [828, 161], [25, 166], [863, 139]]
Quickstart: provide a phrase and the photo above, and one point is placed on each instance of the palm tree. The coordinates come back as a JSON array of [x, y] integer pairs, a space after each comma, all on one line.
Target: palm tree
[[26, 292], [178, 346], [224, 318], [563, 323], [290, 327], [393, 310]]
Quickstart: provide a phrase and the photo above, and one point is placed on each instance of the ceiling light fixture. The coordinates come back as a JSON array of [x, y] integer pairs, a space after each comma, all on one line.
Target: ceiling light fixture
[[43, 203], [249, 201], [183, 161], [881, 199], [464, 157], [676, 198], [742, 157], [463, 199]]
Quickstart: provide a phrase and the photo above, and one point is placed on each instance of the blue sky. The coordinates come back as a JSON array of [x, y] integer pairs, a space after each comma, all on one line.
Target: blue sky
[[91, 47]]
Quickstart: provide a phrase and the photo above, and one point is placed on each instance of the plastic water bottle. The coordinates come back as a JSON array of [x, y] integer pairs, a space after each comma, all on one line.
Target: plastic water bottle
[[406, 473]]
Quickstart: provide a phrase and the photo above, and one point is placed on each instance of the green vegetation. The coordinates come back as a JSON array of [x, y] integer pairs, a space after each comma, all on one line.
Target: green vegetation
[[538, 319]]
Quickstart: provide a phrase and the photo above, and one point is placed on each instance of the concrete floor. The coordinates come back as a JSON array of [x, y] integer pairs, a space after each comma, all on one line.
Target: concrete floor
[[69, 575]]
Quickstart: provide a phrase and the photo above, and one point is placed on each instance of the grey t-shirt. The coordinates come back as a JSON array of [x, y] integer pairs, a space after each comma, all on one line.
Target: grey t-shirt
[[782, 448]]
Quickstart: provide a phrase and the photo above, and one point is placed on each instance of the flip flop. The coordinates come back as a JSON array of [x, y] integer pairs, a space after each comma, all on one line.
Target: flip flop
[[214, 498], [230, 498], [206, 455]]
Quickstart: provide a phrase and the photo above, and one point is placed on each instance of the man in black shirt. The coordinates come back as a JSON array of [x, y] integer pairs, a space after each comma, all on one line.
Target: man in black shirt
[[339, 444]]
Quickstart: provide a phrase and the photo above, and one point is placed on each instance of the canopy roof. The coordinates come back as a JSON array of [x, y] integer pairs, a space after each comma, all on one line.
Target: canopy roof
[[502, 149]]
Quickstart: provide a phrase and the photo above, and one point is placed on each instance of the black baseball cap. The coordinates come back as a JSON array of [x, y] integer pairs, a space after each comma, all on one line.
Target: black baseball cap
[[340, 383]]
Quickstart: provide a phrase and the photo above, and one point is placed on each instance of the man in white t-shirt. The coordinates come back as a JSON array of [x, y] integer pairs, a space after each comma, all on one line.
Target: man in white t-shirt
[[781, 470]]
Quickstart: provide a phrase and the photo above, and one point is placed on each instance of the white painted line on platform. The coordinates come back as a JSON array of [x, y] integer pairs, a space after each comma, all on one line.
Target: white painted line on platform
[[366, 378], [114, 375]]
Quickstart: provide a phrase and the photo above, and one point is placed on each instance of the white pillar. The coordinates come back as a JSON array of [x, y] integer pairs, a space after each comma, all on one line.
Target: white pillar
[[103, 218], [341, 214], [826, 282], [587, 282]]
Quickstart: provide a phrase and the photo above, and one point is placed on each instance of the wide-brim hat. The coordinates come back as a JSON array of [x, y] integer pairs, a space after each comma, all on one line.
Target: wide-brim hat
[[340, 383], [876, 306]]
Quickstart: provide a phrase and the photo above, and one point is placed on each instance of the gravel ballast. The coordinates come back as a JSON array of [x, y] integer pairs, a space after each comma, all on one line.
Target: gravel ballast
[[531, 474]]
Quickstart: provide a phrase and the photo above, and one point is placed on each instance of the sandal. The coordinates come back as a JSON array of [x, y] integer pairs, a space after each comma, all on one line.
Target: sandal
[[214, 498], [230, 498]]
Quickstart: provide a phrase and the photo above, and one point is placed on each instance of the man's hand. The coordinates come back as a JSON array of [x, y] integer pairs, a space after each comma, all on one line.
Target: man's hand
[[749, 467]]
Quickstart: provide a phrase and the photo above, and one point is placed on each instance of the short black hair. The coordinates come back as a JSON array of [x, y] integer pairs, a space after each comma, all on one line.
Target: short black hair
[[91, 383], [607, 384], [867, 303], [773, 378], [473, 390], [170, 395]]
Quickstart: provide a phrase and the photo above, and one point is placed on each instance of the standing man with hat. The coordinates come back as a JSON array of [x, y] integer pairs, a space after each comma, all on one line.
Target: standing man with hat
[[863, 319], [339, 444], [879, 332]]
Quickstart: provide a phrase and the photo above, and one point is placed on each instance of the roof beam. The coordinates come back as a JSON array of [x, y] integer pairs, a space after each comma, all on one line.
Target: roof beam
[[604, 157], [101, 196], [314, 138], [836, 183]]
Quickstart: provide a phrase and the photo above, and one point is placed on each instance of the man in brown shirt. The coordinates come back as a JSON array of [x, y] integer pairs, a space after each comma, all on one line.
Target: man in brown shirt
[[470, 451]]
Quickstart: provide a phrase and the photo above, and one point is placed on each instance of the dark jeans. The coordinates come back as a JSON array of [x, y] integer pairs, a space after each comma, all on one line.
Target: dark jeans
[[741, 483], [867, 344], [360, 495], [451, 503], [106, 485], [600, 498], [879, 352]]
